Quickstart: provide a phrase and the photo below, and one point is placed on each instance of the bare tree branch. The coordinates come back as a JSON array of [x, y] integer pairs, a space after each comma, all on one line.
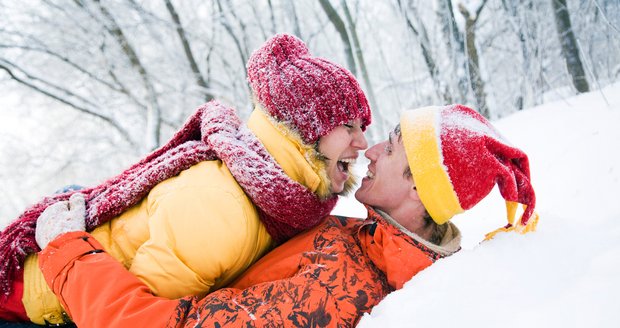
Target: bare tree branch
[[429, 60], [273, 18], [226, 24], [362, 64], [48, 83], [116, 88], [153, 110], [341, 28], [477, 84], [188, 51], [259, 21], [84, 110], [290, 8]]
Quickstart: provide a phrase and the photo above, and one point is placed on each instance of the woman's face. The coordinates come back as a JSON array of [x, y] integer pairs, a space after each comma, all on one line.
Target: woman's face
[[340, 147]]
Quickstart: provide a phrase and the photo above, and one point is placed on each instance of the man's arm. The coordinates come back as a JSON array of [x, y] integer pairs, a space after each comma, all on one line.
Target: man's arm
[[97, 291]]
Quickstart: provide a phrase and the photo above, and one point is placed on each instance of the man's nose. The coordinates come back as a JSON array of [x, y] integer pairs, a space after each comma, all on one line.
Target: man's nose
[[373, 152]]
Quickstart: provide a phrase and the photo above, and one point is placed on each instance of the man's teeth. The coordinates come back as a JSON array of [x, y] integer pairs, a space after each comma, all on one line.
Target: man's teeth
[[370, 175]]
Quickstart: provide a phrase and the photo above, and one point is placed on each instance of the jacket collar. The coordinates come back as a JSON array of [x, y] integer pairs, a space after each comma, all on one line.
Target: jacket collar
[[450, 243], [298, 160], [400, 254]]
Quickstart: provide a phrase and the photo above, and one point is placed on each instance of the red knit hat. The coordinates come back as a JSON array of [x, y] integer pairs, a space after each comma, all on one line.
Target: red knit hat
[[311, 95], [456, 158]]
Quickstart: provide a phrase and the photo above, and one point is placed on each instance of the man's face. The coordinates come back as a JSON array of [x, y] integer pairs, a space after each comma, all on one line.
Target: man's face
[[385, 186]]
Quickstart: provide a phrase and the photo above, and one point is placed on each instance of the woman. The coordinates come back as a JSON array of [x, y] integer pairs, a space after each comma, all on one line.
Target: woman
[[231, 191]]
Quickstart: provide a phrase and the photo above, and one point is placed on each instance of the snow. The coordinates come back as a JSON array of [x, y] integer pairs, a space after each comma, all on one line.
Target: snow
[[563, 275], [467, 123]]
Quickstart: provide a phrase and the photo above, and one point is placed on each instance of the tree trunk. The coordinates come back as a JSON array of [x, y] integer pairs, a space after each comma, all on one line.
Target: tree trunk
[[473, 63], [421, 35], [153, 117], [570, 49], [274, 27], [292, 13], [519, 26], [241, 46], [189, 55], [338, 23], [359, 54], [455, 48]]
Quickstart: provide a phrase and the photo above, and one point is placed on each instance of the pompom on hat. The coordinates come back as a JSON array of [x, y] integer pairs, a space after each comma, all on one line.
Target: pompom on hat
[[311, 95], [456, 157]]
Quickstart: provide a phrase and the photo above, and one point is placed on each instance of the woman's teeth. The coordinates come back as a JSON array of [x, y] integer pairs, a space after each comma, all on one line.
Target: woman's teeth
[[343, 164], [370, 175]]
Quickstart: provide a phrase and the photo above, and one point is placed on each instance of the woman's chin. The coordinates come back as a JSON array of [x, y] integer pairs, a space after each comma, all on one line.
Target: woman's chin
[[337, 190]]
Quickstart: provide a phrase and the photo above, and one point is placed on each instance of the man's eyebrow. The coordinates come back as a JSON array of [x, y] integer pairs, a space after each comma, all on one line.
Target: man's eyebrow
[[390, 137], [398, 133]]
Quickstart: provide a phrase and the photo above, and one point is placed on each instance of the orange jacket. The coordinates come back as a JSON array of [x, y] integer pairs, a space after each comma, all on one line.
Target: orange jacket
[[327, 276]]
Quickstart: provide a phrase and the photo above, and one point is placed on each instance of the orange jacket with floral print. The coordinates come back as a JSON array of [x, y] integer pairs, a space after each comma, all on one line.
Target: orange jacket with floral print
[[328, 276]]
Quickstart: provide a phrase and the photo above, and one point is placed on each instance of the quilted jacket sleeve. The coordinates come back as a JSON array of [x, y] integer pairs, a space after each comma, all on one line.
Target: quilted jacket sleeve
[[199, 237]]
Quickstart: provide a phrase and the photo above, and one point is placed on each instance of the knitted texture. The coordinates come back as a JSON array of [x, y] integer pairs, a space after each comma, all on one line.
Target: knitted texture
[[456, 158], [310, 94], [213, 132]]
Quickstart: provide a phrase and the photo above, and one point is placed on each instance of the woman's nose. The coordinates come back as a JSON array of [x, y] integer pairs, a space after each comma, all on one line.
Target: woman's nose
[[359, 140]]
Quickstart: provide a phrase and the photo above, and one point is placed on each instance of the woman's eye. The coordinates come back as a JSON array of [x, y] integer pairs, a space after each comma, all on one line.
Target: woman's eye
[[350, 126], [388, 148]]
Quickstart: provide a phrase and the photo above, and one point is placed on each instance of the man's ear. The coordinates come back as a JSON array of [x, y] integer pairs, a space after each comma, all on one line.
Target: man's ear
[[413, 193]]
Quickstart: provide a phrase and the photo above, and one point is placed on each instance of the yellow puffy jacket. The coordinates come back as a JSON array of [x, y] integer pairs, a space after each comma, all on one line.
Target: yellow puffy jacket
[[193, 233]]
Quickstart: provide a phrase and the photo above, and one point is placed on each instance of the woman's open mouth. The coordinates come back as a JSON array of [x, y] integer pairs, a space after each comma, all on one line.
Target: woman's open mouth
[[343, 164]]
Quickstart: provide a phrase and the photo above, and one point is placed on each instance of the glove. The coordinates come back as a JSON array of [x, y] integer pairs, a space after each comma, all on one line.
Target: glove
[[61, 217]]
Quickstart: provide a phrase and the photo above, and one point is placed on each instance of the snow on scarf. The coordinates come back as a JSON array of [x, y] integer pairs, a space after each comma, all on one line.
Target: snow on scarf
[[213, 132]]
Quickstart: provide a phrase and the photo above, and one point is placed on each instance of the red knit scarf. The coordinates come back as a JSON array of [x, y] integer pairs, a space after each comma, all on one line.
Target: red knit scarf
[[213, 132]]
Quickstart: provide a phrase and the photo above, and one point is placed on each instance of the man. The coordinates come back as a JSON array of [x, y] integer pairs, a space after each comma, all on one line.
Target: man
[[440, 161]]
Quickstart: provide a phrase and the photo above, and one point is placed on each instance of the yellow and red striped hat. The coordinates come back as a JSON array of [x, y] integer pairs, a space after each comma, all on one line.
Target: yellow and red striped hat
[[456, 157]]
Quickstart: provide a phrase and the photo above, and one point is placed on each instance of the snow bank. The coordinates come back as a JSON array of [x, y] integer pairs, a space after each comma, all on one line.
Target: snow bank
[[563, 275]]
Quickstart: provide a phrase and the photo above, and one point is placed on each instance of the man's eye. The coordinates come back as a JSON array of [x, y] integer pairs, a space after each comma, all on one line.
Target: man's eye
[[388, 148]]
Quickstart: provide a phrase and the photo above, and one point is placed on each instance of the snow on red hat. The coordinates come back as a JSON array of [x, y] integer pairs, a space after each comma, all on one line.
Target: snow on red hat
[[311, 95], [456, 157]]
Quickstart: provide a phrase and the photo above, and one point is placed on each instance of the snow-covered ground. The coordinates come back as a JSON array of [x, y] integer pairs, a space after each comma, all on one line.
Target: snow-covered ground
[[567, 273]]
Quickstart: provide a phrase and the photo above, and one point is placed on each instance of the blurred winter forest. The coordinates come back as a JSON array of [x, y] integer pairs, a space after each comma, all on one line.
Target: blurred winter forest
[[90, 86]]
